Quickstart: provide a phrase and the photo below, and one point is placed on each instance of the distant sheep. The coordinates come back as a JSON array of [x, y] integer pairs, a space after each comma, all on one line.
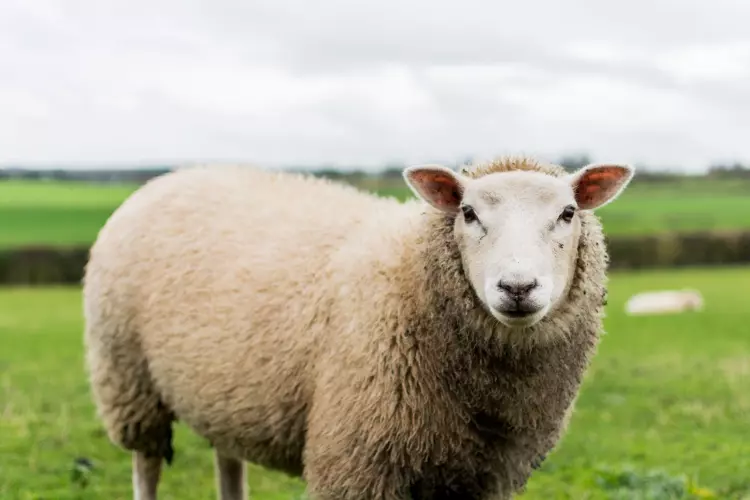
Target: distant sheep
[[380, 350], [665, 301]]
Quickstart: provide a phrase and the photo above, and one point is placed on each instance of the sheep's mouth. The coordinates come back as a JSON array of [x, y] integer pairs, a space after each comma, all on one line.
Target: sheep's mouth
[[517, 309], [517, 313], [518, 317]]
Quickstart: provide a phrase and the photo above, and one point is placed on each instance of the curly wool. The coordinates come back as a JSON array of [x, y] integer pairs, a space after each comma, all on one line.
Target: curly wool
[[311, 328]]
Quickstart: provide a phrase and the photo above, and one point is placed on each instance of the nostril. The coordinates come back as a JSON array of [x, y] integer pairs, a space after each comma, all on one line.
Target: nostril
[[502, 285], [529, 287], [517, 288]]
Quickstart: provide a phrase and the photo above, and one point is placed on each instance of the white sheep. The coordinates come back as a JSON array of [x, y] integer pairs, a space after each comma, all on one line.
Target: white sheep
[[664, 301], [379, 350]]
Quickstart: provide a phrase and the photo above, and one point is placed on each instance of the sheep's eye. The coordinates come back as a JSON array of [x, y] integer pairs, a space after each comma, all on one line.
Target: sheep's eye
[[568, 213], [469, 214]]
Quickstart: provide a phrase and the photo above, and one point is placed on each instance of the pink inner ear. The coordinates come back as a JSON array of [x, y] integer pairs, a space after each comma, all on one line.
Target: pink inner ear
[[598, 185], [441, 189]]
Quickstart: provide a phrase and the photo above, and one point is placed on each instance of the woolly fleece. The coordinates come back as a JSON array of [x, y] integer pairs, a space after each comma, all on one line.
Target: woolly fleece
[[311, 328]]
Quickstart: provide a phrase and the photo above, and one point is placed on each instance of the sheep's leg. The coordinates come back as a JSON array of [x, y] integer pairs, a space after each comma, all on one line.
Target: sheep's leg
[[146, 474], [230, 477]]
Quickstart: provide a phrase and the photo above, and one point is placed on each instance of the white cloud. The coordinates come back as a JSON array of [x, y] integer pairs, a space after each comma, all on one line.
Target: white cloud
[[716, 62], [277, 81]]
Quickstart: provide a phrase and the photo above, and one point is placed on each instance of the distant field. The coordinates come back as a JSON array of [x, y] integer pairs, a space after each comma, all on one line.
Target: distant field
[[664, 413], [60, 213], [39, 212]]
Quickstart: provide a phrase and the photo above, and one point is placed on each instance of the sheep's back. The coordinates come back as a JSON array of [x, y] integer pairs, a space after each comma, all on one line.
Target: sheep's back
[[219, 273]]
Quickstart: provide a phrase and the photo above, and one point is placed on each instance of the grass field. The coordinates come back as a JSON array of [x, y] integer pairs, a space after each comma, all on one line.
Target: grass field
[[72, 213], [665, 407], [60, 213]]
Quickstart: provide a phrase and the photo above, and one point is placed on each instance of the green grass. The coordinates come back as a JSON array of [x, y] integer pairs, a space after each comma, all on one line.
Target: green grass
[[49, 212], [690, 205], [666, 404], [57, 194], [58, 213]]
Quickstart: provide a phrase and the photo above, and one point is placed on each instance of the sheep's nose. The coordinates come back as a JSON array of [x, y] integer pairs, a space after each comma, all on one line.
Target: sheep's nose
[[518, 290]]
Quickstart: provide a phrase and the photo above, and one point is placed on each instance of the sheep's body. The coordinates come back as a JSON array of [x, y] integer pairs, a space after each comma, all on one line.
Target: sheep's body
[[321, 331]]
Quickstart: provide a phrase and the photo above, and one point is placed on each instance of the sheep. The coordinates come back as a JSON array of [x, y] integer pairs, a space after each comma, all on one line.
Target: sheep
[[377, 349], [664, 301]]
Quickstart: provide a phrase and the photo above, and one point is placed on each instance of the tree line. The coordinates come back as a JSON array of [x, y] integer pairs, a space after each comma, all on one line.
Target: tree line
[[351, 173]]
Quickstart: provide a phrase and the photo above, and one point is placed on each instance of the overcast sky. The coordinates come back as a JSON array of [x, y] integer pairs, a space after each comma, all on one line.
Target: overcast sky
[[666, 83]]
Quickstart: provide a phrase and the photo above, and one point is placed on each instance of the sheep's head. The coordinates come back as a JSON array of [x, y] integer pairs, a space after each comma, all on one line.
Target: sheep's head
[[518, 230]]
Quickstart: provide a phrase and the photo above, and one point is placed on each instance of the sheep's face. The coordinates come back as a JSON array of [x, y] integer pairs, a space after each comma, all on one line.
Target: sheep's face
[[518, 231]]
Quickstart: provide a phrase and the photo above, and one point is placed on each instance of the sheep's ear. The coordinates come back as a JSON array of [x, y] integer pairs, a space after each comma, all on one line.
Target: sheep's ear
[[437, 185], [597, 184]]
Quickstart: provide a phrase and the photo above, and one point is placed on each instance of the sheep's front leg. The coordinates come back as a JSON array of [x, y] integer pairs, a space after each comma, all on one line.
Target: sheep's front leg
[[230, 477], [146, 475]]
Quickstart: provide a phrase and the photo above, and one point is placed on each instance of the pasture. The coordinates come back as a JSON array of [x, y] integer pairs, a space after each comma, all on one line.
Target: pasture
[[55, 212], [664, 412], [71, 213]]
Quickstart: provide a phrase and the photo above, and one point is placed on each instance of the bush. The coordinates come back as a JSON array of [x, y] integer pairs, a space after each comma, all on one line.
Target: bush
[[43, 265], [706, 248]]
